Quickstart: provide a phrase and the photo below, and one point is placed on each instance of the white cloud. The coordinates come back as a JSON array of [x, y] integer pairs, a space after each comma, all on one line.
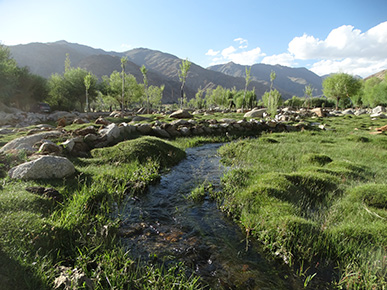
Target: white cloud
[[345, 49], [285, 59], [238, 55], [212, 52], [243, 42]]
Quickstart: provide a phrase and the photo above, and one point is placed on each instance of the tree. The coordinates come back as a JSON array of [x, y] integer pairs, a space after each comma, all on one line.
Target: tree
[[67, 91], [8, 75], [308, 93], [247, 79], [273, 98], [124, 60], [340, 86], [155, 95], [133, 92], [183, 72], [87, 80], [30, 89], [144, 72]]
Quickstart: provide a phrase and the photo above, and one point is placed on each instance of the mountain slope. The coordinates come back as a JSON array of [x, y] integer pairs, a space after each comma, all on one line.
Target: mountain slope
[[47, 58], [291, 80]]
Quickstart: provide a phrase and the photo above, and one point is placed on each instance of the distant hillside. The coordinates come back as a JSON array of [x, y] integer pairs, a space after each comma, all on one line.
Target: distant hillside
[[380, 75], [290, 80], [47, 58]]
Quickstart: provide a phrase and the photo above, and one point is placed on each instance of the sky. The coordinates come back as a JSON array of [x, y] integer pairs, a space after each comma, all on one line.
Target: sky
[[325, 36]]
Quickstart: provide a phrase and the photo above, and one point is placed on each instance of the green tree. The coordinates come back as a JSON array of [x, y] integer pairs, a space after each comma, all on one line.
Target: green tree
[[308, 94], [144, 72], [247, 82], [374, 92], [155, 95], [30, 89], [8, 75], [340, 86], [133, 91], [87, 81], [124, 61], [272, 98], [67, 91], [183, 73]]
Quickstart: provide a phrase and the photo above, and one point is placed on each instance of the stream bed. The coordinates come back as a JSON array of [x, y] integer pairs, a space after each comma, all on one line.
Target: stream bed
[[164, 225]]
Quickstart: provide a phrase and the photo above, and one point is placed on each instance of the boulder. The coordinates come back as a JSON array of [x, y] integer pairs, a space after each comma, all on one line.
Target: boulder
[[49, 147], [45, 167], [181, 114], [27, 142], [318, 111], [348, 112], [111, 132], [378, 109], [160, 132], [255, 113], [144, 129]]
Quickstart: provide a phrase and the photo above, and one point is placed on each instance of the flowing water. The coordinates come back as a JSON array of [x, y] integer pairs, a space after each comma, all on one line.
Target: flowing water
[[164, 225]]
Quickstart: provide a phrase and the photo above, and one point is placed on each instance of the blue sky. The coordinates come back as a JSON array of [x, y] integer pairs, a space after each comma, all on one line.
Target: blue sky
[[324, 36]]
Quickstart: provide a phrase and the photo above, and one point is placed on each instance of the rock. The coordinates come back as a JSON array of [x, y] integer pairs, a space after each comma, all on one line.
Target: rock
[[172, 131], [144, 129], [348, 112], [319, 112], [255, 113], [378, 109], [181, 114], [112, 132], [140, 118], [27, 142], [102, 121], [180, 122], [49, 147], [79, 121], [61, 122], [85, 131], [45, 167], [160, 132], [185, 131], [68, 145], [379, 116]]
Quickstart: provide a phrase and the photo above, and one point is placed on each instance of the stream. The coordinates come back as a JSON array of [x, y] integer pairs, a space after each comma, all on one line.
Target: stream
[[164, 225]]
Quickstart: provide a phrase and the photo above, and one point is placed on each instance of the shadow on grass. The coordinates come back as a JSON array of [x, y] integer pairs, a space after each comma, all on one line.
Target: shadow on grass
[[15, 276]]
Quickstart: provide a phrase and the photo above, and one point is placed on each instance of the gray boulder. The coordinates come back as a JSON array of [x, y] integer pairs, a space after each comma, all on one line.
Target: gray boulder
[[111, 132], [27, 142], [378, 109], [45, 167], [181, 114], [255, 113]]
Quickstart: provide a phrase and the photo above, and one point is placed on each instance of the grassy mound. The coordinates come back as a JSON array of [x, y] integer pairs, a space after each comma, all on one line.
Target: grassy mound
[[141, 150]]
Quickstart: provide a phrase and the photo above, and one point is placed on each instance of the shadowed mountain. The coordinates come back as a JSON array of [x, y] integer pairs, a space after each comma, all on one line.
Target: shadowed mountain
[[290, 80], [47, 58]]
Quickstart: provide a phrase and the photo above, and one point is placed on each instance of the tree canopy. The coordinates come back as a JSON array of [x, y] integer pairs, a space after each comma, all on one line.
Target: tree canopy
[[341, 86]]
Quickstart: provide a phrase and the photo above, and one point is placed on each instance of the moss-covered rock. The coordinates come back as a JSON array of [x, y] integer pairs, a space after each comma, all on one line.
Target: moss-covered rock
[[141, 149]]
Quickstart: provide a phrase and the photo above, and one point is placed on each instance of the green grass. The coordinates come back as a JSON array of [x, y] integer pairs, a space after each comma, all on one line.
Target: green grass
[[311, 198], [315, 198], [40, 237]]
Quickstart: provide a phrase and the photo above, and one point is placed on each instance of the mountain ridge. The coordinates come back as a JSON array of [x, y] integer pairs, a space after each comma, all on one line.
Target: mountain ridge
[[48, 58]]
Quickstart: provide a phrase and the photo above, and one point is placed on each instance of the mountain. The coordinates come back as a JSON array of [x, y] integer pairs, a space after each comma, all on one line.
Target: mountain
[[290, 80], [45, 59], [380, 75]]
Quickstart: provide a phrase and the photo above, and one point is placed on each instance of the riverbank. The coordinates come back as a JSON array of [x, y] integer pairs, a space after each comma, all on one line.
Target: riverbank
[[75, 240], [317, 200]]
